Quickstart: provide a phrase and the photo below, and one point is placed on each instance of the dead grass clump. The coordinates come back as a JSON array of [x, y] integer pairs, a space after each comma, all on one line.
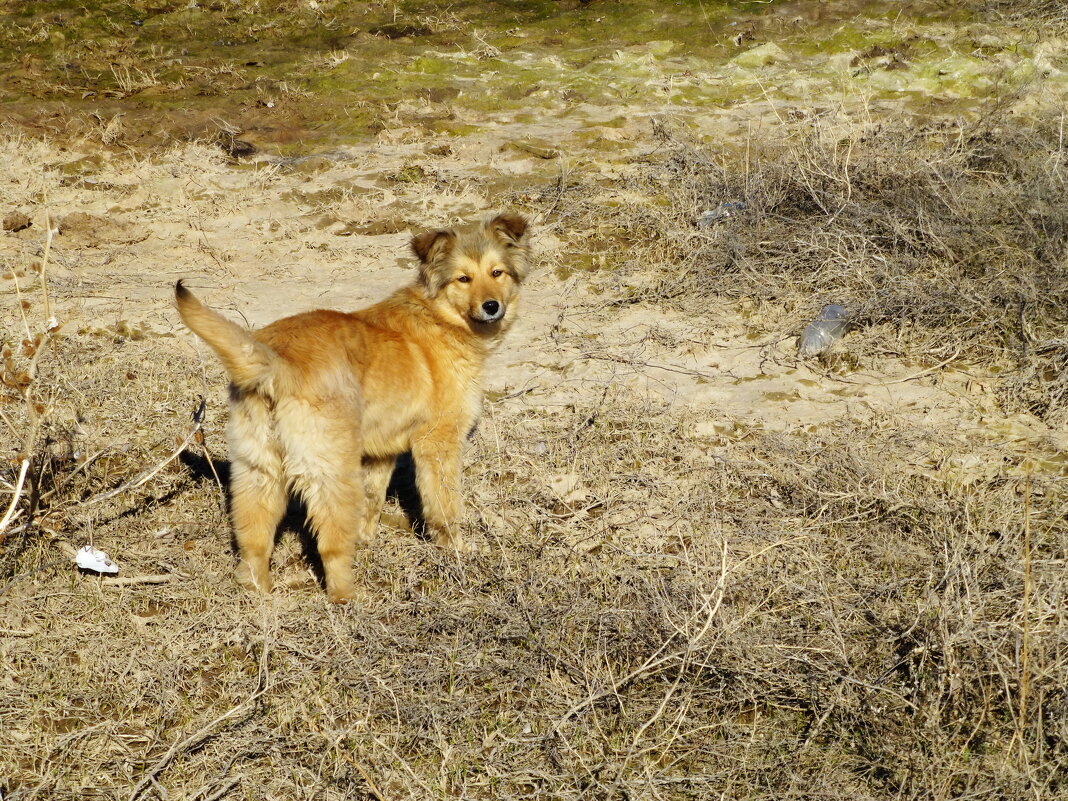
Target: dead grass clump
[[89, 451], [810, 597], [950, 238], [652, 614], [1040, 382], [1029, 12]]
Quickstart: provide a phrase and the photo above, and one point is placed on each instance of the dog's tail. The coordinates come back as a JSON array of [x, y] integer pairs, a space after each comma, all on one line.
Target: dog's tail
[[251, 364]]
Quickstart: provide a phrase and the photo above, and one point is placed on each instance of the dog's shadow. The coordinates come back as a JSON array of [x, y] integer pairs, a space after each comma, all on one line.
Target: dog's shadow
[[402, 488]]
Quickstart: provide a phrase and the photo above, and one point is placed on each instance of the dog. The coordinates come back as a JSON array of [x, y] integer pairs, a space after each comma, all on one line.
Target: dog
[[322, 403]]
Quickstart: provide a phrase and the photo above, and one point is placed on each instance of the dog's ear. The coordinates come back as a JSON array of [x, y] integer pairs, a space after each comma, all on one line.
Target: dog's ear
[[508, 227], [510, 230], [429, 246]]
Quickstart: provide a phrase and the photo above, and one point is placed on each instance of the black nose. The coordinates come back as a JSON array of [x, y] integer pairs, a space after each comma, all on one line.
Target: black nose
[[491, 307]]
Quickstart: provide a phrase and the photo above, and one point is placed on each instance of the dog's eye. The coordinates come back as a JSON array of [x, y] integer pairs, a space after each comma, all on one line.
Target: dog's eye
[[497, 273], [464, 279]]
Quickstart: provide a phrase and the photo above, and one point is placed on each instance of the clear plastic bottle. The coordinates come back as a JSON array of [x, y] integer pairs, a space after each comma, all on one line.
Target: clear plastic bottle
[[720, 212], [828, 327]]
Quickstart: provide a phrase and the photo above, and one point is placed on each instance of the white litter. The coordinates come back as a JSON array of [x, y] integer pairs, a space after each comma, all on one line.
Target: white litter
[[89, 558]]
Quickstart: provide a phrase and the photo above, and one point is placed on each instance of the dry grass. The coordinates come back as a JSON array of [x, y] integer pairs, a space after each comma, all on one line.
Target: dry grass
[[1030, 13], [943, 240], [653, 614], [655, 611]]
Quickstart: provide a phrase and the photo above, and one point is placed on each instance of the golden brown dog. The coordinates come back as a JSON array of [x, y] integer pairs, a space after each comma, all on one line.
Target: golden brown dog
[[322, 403]]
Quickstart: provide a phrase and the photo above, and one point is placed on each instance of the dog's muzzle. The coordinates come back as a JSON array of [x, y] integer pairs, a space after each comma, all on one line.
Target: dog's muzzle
[[489, 312]]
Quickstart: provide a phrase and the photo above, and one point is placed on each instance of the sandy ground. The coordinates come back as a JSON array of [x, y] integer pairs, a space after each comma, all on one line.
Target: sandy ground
[[263, 240]]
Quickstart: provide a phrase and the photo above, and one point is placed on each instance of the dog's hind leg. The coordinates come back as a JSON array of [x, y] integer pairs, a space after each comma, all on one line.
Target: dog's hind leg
[[257, 504], [257, 490], [322, 451], [334, 514]]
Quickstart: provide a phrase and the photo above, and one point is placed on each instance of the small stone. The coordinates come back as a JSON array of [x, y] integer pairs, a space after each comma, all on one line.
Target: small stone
[[721, 212], [236, 148], [536, 150], [16, 221], [760, 56]]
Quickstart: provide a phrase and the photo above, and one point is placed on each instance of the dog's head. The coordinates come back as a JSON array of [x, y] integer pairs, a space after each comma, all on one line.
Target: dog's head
[[474, 271]]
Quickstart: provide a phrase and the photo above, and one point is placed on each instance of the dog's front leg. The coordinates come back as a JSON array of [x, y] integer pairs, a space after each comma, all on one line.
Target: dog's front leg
[[376, 473], [437, 477]]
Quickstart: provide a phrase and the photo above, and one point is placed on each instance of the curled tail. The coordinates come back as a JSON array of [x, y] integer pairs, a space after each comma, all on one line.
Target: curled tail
[[251, 364]]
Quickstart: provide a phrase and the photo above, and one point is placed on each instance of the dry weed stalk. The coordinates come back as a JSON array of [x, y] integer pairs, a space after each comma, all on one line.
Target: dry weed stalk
[[35, 455], [149, 473], [1023, 724], [210, 729], [36, 413]]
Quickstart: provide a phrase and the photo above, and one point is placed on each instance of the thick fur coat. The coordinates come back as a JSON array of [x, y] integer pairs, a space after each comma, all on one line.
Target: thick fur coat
[[323, 402]]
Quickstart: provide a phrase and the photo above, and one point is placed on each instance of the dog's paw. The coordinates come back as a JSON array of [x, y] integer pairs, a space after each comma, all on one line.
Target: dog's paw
[[453, 542], [252, 579], [340, 595]]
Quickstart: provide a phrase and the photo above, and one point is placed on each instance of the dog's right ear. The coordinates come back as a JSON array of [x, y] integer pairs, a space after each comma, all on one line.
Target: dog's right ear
[[429, 246]]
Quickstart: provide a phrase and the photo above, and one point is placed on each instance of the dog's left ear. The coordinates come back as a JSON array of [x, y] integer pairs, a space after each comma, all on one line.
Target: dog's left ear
[[509, 227], [430, 248]]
